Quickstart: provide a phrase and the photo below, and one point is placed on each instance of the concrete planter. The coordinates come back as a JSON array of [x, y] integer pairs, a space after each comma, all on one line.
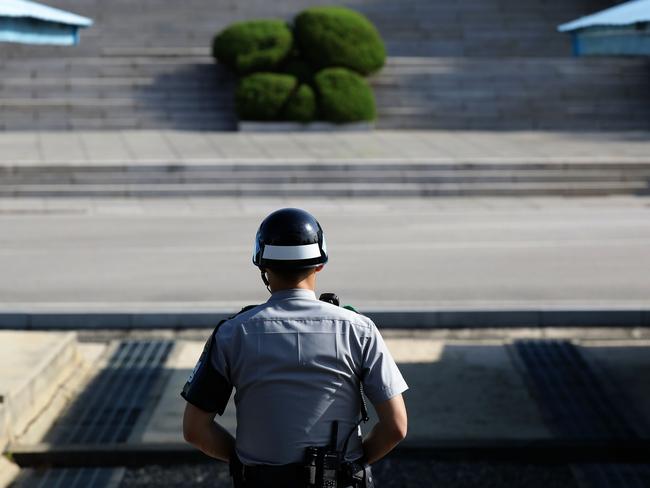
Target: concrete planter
[[252, 126]]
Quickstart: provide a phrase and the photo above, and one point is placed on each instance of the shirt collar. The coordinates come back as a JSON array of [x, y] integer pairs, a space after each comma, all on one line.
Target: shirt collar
[[293, 293]]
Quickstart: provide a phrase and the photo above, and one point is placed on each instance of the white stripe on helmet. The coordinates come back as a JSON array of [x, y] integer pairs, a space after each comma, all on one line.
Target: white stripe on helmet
[[308, 251]]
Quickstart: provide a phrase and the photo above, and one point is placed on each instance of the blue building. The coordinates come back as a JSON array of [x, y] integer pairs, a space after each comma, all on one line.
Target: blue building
[[620, 30], [32, 23]]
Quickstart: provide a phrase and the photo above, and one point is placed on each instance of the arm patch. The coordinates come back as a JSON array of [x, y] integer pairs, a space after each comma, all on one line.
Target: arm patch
[[206, 388]]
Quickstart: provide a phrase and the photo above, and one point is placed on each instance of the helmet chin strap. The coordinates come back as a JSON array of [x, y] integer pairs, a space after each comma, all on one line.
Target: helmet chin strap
[[266, 280]]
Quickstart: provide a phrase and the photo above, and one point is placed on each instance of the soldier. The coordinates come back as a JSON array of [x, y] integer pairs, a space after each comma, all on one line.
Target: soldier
[[299, 366]]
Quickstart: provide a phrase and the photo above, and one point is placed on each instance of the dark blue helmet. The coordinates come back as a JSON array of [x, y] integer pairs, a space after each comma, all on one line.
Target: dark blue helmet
[[289, 238]]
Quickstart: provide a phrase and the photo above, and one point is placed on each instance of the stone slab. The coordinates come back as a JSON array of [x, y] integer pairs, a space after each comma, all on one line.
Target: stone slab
[[32, 366]]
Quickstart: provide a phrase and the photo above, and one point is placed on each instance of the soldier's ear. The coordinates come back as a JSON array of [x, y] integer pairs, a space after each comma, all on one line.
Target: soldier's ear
[[319, 268]]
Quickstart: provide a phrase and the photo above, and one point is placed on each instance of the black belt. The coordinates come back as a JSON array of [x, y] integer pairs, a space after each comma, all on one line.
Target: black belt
[[275, 474]]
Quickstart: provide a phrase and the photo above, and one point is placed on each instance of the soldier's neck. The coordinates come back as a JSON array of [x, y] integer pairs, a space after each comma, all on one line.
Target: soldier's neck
[[308, 283]]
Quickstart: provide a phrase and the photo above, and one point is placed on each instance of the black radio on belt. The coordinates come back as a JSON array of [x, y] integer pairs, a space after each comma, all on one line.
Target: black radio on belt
[[323, 464], [322, 467], [325, 467]]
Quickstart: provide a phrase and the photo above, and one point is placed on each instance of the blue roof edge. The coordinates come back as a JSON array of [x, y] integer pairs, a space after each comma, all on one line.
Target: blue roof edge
[[625, 13], [34, 10]]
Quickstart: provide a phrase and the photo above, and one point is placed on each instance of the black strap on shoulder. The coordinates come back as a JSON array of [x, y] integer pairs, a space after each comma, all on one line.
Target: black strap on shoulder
[[334, 300], [223, 321], [364, 405]]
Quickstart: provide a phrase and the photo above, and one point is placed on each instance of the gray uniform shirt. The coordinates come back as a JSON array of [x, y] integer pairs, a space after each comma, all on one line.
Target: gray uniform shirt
[[295, 363]]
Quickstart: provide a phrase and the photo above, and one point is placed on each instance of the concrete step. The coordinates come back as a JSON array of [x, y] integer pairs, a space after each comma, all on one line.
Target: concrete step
[[154, 55], [525, 28], [579, 188], [101, 124], [477, 165], [156, 92], [315, 176], [513, 93]]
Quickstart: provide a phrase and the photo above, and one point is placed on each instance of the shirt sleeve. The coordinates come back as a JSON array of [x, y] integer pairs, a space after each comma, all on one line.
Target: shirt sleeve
[[381, 377], [209, 386]]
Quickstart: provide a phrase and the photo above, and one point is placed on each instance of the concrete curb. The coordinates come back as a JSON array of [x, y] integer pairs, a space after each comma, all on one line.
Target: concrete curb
[[330, 178], [559, 162], [24, 402], [8, 472], [4, 427], [386, 319]]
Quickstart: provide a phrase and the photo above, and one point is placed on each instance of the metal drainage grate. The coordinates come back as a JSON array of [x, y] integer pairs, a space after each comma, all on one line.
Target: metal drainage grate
[[579, 404], [109, 408], [571, 395], [613, 475], [67, 477], [105, 412]]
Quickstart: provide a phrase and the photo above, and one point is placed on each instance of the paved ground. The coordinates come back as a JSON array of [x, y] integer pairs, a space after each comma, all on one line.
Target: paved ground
[[194, 254], [464, 386], [459, 390], [160, 146]]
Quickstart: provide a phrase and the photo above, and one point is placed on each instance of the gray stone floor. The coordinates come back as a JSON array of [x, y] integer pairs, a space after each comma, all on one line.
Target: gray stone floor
[[161, 146], [194, 254]]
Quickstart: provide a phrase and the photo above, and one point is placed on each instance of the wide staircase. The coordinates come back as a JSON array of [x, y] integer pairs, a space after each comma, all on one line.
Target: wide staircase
[[453, 64]]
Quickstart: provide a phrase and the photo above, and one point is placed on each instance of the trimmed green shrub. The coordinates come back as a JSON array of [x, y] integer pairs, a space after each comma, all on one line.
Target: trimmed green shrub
[[337, 36], [274, 96], [258, 45], [300, 69], [344, 96], [301, 107], [262, 96]]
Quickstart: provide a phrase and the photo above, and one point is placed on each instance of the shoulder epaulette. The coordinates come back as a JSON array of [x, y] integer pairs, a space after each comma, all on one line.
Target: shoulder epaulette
[[222, 321]]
